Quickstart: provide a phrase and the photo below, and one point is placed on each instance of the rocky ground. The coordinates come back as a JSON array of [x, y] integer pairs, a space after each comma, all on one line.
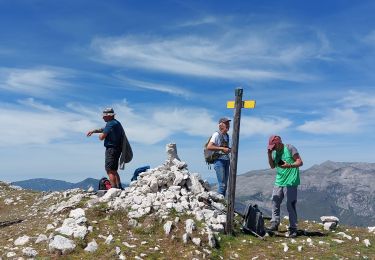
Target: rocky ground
[[163, 215]]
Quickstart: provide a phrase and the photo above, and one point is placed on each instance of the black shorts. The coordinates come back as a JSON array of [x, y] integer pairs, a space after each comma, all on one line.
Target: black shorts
[[112, 156]]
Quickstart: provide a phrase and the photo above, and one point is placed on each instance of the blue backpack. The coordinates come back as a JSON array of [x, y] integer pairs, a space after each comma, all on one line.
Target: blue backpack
[[138, 171]]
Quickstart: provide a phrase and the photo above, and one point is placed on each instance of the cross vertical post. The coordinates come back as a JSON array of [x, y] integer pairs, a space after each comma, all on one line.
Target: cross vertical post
[[233, 161]]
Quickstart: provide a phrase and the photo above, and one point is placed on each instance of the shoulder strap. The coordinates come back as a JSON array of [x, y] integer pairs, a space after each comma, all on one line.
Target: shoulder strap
[[222, 138]]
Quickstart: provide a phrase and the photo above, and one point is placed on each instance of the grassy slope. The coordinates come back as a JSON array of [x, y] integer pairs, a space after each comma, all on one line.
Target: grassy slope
[[151, 241]]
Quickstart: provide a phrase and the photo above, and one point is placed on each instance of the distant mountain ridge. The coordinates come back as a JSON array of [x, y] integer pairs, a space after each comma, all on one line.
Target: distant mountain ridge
[[343, 189], [42, 184]]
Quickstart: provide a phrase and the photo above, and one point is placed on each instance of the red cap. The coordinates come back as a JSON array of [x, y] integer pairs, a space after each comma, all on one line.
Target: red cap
[[274, 139]]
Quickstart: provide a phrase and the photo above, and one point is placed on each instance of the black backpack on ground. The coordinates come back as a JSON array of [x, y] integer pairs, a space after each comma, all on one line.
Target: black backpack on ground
[[253, 221]]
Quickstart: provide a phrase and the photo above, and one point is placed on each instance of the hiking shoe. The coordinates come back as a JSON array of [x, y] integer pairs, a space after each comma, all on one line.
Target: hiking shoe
[[292, 233], [274, 227]]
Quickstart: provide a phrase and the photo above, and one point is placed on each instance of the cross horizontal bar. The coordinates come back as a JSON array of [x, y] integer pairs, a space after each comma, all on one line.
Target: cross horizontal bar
[[245, 104]]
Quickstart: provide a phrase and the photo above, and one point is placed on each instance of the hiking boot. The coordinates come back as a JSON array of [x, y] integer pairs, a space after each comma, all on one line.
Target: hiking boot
[[274, 227], [292, 233]]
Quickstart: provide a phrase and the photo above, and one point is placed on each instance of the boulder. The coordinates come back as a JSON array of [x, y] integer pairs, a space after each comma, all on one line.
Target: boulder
[[22, 240], [92, 246], [325, 219], [41, 238], [168, 227], [61, 244], [189, 226], [29, 252]]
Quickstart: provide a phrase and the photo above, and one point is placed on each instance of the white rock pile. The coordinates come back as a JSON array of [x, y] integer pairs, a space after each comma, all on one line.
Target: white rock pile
[[75, 224], [170, 187]]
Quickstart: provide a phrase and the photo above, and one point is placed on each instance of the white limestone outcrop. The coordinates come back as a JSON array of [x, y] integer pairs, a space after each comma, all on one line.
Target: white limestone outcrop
[[61, 244], [169, 187]]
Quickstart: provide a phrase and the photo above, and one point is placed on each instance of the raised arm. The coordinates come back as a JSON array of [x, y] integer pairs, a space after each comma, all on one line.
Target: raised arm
[[270, 159], [95, 131]]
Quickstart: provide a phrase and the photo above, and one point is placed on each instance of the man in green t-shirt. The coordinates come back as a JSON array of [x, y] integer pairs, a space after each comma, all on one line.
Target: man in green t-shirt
[[287, 161]]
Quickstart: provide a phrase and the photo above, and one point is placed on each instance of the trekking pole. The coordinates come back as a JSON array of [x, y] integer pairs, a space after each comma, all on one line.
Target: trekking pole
[[10, 222]]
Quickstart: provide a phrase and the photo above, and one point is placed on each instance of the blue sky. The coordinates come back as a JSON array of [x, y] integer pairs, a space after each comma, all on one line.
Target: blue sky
[[168, 68]]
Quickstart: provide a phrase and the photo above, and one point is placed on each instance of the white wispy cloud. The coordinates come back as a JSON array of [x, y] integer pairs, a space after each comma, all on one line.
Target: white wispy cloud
[[355, 114], [201, 21], [355, 99], [155, 124], [37, 82], [339, 121], [38, 123], [253, 125], [165, 88], [239, 53]]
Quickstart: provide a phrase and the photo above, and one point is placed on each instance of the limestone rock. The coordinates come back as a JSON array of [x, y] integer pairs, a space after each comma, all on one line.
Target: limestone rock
[[325, 219], [344, 235], [168, 227], [196, 241], [70, 227], [189, 226], [111, 193], [77, 213], [92, 246], [70, 203], [132, 222], [29, 252], [41, 238], [61, 244], [109, 239], [286, 248], [185, 238], [11, 254], [22, 240], [329, 222], [329, 225]]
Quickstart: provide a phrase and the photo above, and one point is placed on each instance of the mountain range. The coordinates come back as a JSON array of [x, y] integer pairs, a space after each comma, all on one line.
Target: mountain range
[[343, 189], [41, 184]]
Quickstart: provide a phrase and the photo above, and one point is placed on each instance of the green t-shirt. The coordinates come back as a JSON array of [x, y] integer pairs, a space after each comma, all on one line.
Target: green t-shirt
[[288, 176]]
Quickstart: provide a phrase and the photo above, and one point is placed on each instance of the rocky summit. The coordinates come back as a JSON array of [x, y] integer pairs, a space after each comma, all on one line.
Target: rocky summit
[[167, 213]]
